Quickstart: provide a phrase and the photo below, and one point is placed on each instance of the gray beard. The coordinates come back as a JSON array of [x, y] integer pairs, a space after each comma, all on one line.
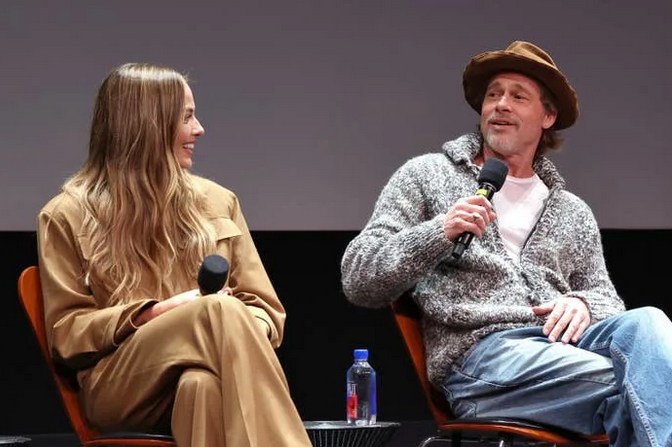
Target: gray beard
[[499, 144]]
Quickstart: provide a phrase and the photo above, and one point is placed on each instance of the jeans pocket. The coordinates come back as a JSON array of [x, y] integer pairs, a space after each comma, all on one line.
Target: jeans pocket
[[465, 409], [468, 362]]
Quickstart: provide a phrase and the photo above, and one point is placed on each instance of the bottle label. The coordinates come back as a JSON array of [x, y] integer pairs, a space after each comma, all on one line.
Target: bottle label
[[352, 401]]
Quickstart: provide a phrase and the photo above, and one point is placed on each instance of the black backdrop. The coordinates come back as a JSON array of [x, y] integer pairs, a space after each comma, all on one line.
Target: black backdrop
[[321, 332]]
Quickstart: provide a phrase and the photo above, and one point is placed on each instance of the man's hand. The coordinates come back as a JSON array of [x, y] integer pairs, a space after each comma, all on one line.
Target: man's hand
[[470, 214], [569, 317]]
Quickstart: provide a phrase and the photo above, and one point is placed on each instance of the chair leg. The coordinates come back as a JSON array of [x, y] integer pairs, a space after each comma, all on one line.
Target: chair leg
[[431, 439], [506, 441]]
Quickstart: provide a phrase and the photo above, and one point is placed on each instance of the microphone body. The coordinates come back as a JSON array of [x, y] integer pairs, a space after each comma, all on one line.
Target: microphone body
[[490, 180], [212, 274]]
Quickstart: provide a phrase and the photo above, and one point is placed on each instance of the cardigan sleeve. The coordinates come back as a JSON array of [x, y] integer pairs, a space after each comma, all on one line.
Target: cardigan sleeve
[[399, 244], [590, 280]]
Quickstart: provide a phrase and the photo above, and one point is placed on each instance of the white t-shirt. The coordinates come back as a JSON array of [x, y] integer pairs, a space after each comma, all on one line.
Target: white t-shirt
[[518, 206]]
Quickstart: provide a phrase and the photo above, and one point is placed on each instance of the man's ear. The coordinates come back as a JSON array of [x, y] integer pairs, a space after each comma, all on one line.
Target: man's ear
[[549, 119]]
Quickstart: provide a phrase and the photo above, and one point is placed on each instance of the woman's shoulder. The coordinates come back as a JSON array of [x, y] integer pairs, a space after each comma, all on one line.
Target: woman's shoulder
[[213, 190], [62, 206]]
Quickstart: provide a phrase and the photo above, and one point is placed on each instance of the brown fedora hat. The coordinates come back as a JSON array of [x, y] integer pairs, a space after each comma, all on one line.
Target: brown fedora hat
[[530, 60]]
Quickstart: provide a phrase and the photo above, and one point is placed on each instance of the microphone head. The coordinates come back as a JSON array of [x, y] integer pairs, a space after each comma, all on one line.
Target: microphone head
[[493, 172], [212, 274]]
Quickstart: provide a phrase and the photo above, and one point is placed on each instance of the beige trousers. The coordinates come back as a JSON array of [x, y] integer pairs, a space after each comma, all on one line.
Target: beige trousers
[[209, 362]]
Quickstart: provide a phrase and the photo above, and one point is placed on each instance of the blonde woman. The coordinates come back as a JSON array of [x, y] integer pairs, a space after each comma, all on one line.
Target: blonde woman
[[119, 251]]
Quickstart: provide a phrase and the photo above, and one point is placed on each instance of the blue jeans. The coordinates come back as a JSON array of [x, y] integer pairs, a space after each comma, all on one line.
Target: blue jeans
[[617, 379]]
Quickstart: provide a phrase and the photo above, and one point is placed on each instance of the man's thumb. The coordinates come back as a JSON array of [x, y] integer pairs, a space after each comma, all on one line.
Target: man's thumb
[[543, 308]]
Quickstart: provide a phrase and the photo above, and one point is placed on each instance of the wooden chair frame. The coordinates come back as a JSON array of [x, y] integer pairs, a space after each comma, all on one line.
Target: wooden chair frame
[[505, 430], [30, 295]]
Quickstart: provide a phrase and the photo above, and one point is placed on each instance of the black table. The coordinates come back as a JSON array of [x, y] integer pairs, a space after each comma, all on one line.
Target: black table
[[342, 434]]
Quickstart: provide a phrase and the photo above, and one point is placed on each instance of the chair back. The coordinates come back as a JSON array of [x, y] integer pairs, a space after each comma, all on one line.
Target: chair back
[[30, 295], [407, 317]]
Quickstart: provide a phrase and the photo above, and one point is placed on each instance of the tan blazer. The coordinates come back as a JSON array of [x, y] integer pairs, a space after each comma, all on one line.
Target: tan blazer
[[82, 326]]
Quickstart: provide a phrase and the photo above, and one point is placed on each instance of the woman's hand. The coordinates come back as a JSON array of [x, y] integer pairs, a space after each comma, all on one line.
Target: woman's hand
[[171, 303], [164, 306]]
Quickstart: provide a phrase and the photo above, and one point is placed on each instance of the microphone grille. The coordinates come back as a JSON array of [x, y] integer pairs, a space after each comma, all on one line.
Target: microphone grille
[[212, 274], [494, 172], [216, 264]]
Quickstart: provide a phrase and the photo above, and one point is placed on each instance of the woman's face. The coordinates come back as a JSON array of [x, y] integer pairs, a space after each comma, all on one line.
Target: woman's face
[[188, 131]]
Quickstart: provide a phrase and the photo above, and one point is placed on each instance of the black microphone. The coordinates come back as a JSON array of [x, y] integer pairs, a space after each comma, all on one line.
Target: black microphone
[[212, 274], [490, 180]]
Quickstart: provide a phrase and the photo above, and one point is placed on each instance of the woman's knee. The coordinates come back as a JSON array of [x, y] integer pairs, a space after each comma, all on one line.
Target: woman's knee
[[222, 301], [225, 316], [197, 380], [222, 306]]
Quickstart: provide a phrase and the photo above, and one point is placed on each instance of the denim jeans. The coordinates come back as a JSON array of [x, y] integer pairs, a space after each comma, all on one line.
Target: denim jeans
[[617, 379]]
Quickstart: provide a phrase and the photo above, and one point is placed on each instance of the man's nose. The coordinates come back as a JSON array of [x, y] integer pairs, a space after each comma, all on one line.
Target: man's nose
[[503, 103]]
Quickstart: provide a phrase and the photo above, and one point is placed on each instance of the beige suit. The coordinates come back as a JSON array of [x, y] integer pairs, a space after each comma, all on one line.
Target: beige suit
[[208, 368]]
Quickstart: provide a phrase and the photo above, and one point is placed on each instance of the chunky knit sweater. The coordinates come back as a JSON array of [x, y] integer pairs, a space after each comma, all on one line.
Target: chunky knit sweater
[[403, 246]]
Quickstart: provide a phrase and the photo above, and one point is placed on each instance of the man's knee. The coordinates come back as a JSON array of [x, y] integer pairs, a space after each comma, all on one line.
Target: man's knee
[[648, 315]]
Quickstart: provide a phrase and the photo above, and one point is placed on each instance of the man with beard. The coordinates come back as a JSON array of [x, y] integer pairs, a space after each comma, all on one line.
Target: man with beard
[[526, 322]]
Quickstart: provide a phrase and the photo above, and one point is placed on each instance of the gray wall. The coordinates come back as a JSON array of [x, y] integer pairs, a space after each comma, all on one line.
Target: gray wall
[[309, 106]]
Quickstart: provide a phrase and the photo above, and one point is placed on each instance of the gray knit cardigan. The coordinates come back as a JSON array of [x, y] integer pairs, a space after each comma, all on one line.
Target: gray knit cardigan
[[403, 246]]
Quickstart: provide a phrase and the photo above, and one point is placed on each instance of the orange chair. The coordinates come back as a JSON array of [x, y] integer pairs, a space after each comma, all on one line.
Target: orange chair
[[30, 294], [505, 430]]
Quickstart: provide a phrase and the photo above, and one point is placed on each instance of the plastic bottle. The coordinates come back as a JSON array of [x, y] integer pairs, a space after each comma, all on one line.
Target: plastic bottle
[[361, 390]]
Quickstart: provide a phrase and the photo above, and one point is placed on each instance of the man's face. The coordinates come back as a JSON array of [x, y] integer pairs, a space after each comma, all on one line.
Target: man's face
[[513, 116]]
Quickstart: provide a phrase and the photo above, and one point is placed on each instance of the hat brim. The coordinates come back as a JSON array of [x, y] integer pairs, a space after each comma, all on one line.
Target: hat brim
[[483, 67]]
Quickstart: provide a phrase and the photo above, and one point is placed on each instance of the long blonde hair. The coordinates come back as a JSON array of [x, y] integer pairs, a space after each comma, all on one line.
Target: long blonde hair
[[142, 213]]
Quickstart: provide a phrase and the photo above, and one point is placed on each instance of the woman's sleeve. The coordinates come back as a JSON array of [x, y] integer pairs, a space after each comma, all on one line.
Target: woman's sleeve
[[250, 282], [79, 331]]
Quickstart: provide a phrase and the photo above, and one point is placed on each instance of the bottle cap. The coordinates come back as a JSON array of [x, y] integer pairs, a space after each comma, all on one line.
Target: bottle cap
[[361, 354]]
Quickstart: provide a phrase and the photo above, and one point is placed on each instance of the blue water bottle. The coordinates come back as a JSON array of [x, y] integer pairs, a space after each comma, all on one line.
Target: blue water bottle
[[361, 390]]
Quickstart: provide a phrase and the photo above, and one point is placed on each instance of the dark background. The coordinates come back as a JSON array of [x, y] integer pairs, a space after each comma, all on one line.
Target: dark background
[[322, 327]]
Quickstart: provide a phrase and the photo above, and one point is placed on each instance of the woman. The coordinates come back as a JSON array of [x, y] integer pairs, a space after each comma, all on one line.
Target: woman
[[119, 251]]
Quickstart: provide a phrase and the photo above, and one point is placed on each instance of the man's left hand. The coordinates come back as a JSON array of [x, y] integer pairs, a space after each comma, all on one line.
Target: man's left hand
[[569, 317]]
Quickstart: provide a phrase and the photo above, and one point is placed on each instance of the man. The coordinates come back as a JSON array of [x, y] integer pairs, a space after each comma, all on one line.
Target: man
[[526, 323]]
